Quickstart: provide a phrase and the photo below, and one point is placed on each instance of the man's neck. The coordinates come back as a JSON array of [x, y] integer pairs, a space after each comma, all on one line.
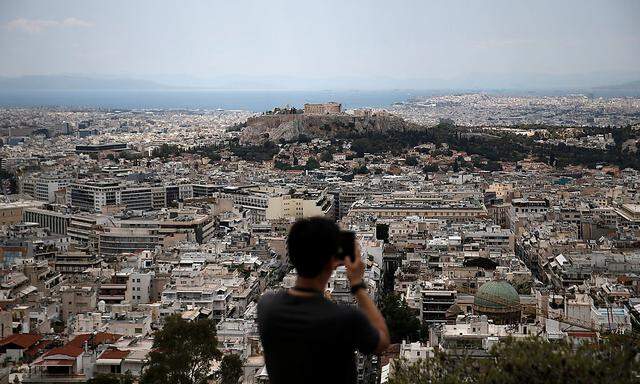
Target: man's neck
[[311, 284]]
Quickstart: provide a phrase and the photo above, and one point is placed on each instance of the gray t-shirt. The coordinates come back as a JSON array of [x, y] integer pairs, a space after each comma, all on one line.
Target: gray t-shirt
[[312, 339]]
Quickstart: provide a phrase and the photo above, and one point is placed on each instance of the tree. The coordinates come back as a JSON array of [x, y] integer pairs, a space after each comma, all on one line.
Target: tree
[[492, 166], [166, 150], [230, 369], [361, 170], [214, 156], [263, 152], [326, 156], [312, 163], [411, 161], [430, 168], [182, 352], [382, 232], [8, 182], [401, 320], [532, 360]]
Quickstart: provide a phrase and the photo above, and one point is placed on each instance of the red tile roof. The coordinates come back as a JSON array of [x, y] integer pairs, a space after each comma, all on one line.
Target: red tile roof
[[114, 354], [67, 350], [38, 348], [98, 338], [22, 340]]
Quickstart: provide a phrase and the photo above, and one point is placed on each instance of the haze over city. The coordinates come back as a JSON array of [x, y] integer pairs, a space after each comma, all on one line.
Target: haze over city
[[335, 45]]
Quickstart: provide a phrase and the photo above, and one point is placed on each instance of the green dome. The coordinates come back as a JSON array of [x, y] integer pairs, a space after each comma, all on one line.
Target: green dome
[[497, 295]]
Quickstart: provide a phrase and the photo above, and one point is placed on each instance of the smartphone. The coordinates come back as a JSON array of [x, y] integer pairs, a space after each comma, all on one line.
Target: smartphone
[[346, 245]]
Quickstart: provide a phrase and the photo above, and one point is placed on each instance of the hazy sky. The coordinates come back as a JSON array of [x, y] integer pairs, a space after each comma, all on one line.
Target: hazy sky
[[322, 38]]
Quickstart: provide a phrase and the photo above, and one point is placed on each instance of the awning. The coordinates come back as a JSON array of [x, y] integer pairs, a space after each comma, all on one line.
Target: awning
[[108, 361]]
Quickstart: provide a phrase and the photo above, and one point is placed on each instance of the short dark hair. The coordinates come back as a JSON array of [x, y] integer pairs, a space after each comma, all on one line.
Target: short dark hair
[[312, 243]]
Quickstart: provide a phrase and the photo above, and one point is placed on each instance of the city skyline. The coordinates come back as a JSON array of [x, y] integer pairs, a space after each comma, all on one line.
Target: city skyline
[[363, 192]]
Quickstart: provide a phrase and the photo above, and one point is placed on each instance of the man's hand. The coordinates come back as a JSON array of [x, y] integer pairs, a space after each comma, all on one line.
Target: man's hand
[[355, 274], [355, 269]]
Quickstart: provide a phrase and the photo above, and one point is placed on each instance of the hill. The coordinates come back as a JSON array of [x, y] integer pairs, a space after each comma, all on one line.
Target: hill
[[278, 128]]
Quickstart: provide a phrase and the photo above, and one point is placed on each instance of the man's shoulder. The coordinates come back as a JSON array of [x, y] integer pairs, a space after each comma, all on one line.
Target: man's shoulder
[[270, 297]]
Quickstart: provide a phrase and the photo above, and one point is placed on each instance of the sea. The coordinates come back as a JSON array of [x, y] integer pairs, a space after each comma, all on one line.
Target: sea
[[249, 100]]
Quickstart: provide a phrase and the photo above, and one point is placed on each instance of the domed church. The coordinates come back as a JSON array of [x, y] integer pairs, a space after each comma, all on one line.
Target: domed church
[[499, 301]]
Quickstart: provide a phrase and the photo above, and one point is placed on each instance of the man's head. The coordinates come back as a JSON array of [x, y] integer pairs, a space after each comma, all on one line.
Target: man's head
[[313, 245]]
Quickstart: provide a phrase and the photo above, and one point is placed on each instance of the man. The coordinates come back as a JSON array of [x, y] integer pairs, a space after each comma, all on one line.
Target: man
[[306, 337]]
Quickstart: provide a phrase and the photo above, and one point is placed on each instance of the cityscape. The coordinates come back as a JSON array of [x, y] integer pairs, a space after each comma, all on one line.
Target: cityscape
[[499, 227]]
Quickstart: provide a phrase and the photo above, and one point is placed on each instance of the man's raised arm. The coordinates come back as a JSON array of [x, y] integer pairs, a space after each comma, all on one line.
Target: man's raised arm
[[355, 274]]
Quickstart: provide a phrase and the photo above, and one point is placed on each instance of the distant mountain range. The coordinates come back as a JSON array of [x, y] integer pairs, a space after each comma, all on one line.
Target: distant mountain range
[[598, 83], [71, 82], [630, 86]]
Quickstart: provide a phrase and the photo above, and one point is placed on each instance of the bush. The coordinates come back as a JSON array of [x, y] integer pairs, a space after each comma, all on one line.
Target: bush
[[112, 378], [533, 360]]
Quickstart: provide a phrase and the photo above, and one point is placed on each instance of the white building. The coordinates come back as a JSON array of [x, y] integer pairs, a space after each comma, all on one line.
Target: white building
[[139, 287]]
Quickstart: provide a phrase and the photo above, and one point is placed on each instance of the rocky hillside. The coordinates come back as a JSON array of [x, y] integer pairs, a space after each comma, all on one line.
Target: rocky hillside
[[293, 127]]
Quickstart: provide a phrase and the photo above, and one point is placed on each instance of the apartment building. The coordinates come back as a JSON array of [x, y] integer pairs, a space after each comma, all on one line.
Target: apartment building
[[460, 212], [55, 222], [435, 303], [76, 262], [93, 195], [216, 299], [77, 299], [300, 204], [43, 187], [139, 287], [115, 241], [493, 239]]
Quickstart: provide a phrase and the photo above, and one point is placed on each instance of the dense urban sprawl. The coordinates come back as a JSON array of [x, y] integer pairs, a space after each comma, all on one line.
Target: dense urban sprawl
[[113, 221]]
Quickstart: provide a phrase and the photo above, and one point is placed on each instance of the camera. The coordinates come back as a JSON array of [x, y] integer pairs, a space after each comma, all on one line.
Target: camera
[[346, 245]]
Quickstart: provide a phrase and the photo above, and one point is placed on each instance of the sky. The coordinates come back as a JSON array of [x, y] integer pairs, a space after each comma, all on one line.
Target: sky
[[399, 39]]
